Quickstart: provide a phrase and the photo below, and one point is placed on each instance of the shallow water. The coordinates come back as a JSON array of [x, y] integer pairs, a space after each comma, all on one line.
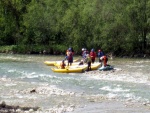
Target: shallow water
[[20, 74]]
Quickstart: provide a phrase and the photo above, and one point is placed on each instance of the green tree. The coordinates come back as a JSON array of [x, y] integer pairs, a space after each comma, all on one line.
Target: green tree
[[138, 12]]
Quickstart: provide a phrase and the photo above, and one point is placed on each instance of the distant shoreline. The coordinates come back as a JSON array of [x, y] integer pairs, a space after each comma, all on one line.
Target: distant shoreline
[[119, 56]]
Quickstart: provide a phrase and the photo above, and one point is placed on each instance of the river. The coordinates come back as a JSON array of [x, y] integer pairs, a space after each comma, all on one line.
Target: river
[[26, 81]]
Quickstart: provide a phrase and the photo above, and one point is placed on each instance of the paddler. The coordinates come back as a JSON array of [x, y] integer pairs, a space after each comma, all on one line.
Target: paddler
[[88, 61], [93, 55], [62, 64]]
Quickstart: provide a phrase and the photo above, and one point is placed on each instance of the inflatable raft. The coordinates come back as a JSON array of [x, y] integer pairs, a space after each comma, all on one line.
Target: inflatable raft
[[94, 66], [70, 69], [51, 63], [106, 68]]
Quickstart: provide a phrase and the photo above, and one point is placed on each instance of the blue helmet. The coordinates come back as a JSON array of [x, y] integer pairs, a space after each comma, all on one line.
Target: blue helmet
[[92, 50], [69, 49]]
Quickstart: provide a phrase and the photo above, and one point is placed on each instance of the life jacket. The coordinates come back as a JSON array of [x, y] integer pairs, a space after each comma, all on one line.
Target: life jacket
[[62, 65], [70, 56], [100, 54], [105, 60], [84, 54], [93, 55], [88, 59]]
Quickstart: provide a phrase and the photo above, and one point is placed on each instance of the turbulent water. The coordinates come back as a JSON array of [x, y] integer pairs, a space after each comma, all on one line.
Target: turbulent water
[[22, 74]]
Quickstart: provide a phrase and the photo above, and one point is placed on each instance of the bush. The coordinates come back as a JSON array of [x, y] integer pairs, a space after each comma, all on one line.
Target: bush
[[6, 49]]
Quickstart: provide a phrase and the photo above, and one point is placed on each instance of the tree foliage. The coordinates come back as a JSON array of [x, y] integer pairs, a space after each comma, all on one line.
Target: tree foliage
[[117, 26]]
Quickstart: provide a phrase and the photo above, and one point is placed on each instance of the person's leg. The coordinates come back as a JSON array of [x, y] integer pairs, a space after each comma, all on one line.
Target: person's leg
[[90, 66], [99, 59], [92, 61], [68, 63]]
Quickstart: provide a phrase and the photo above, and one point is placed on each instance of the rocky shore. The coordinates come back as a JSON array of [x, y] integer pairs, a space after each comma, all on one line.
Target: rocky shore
[[4, 108]]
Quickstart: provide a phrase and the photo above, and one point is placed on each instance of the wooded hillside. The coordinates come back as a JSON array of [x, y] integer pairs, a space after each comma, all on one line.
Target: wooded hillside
[[118, 26]]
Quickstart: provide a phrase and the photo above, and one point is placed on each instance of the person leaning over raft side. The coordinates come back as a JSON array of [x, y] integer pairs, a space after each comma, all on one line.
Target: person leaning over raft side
[[104, 59], [62, 64], [88, 61], [93, 55]]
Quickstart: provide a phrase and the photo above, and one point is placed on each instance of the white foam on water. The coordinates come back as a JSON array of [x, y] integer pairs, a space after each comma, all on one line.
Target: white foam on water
[[132, 97], [91, 87], [33, 75], [15, 58], [135, 66], [143, 61], [7, 96], [129, 95], [10, 84], [136, 78], [52, 90], [17, 72], [7, 69], [30, 75], [19, 96], [59, 109], [26, 96], [4, 79], [12, 70], [111, 96], [108, 88]]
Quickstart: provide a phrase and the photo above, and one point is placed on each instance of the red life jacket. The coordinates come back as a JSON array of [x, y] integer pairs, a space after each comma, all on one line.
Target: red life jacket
[[92, 55], [70, 55], [105, 60]]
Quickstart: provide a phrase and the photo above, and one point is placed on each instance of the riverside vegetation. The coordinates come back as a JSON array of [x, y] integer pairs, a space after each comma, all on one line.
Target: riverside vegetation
[[51, 26]]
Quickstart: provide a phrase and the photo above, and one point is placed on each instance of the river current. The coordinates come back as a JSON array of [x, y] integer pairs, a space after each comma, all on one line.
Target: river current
[[22, 74]]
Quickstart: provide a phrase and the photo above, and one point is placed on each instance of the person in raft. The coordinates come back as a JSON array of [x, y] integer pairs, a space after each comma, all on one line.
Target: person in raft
[[84, 53], [67, 52], [88, 61], [93, 55], [104, 59], [81, 62], [100, 54], [66, 55], [62, 64], [72, 50], [70, 57]]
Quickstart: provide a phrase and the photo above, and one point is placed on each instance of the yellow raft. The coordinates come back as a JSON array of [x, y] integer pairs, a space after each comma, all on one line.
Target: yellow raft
[[94, 66], [70, 69], [51, 63]]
